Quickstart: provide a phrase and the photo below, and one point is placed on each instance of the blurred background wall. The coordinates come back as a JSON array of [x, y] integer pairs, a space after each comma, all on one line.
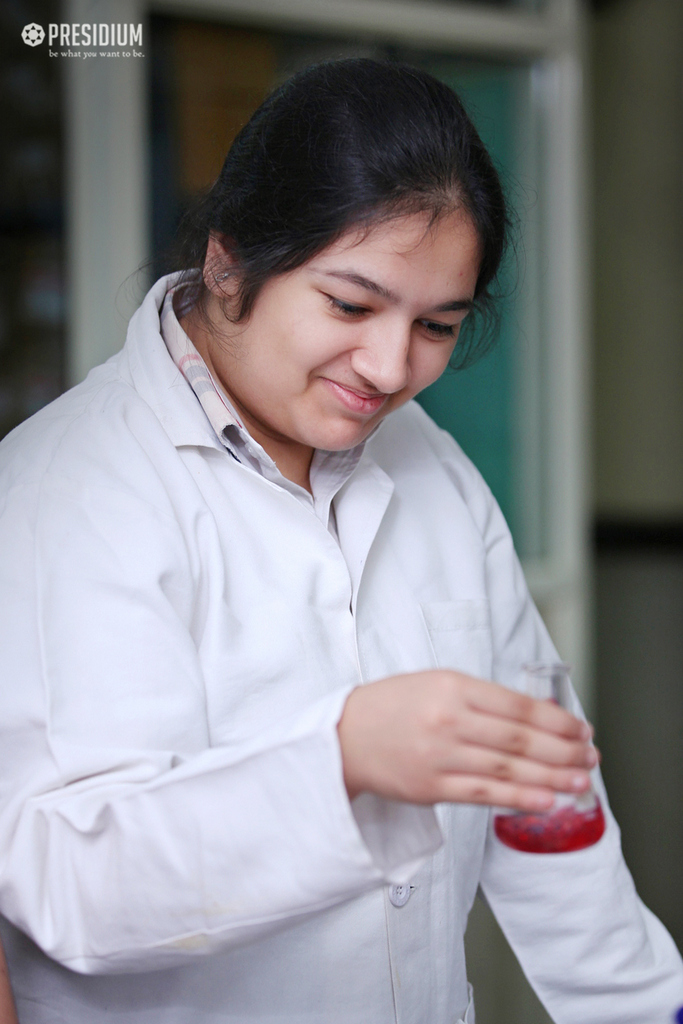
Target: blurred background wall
[[576, 418], [32, 202], [637, 114]]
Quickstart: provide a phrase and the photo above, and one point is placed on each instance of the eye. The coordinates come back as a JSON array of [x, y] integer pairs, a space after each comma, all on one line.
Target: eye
[[440, 330], [345, 308]]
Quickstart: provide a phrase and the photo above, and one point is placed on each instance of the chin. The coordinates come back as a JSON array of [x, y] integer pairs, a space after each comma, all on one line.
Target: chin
[[340, 440], [343, 435]]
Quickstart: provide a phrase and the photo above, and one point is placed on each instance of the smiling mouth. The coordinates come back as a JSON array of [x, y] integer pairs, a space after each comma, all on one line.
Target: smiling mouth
[[356, 401]]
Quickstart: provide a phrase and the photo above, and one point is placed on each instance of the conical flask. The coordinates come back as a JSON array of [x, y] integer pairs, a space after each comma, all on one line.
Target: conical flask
[[575, 820]]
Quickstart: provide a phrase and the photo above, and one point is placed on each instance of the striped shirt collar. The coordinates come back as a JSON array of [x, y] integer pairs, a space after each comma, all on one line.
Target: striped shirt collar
[[215, 403]]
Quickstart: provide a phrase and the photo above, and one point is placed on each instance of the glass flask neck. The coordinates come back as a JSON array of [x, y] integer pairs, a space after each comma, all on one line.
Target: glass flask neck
[[549, 681]]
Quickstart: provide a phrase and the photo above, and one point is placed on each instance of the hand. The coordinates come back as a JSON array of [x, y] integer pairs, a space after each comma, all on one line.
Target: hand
[[437, 736]]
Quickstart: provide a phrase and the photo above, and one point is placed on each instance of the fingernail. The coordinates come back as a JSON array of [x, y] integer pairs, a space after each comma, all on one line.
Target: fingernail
[[580, 782]]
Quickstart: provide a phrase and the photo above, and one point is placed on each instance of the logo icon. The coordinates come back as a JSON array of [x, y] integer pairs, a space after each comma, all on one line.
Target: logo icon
[[33, 34]]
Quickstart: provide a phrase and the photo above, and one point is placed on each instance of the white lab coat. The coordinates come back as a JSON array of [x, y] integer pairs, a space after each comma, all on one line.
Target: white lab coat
[[179, 635]]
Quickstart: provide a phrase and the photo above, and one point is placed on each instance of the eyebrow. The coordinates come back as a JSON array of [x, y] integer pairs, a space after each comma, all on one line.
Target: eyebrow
[[364, 282]]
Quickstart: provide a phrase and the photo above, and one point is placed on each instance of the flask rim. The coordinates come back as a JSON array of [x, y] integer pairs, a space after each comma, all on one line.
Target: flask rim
[[538, 668]]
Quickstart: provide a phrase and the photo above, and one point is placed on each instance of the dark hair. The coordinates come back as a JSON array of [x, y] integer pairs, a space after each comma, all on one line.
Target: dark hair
[[343, 143]]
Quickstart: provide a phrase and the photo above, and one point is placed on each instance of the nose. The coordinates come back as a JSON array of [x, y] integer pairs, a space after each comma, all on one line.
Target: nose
[[383, 357]]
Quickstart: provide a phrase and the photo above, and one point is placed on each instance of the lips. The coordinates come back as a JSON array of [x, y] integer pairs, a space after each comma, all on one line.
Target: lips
[[355, 401]]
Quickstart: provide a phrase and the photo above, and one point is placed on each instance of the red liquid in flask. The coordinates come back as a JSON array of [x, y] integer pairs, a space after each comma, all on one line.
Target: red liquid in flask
[[555, 832]]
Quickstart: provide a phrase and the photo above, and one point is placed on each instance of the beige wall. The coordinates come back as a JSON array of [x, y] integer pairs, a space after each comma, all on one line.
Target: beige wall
[[638, 190]]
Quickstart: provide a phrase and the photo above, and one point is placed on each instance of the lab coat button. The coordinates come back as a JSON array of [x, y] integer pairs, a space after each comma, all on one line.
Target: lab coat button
[[400, 894]]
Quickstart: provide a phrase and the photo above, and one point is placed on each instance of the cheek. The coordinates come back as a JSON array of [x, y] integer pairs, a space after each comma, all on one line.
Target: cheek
[[321, 343], [282, 336], [430, 363]]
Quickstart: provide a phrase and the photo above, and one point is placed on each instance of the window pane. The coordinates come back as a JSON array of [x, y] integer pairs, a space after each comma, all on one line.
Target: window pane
[[477, 404]]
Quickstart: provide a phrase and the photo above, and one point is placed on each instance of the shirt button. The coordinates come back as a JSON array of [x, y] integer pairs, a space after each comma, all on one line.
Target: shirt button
[[400, 894]]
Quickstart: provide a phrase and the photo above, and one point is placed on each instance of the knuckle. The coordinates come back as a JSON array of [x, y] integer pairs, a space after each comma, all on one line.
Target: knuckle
[[478, 793], [518, 741], [502, 769], [435, 719], [443, 712], [447, 687], [522, 705]]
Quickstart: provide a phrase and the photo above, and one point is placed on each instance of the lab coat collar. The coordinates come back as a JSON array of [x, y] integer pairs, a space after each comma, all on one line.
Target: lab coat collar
[[146, 362], [164, 387], [328, 468], [359, 510]]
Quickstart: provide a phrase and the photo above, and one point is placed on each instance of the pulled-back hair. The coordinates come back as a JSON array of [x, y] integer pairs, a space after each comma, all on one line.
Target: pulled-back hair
[[341, 144]]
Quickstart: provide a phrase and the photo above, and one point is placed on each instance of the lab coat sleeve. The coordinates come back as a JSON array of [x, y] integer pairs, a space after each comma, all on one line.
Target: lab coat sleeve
[[590, 948], [132, 854]]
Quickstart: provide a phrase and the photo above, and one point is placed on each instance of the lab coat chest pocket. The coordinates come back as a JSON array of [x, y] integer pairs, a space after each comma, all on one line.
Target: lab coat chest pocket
[[460, 635]]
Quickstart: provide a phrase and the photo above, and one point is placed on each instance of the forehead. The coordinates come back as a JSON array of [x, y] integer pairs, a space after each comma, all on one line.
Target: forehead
[[406, 232], [444, 251]]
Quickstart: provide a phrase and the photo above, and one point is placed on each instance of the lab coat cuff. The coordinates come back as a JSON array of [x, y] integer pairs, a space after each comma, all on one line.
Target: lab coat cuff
[[398, 836]]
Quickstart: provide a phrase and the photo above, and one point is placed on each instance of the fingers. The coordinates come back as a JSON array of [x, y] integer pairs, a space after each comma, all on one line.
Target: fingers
[[493, 699], [474, 789], [466, 759], [524, 741], [466, 740], [519, 725]]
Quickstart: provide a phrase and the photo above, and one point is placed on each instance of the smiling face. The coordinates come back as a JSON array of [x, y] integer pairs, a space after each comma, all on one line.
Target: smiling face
[[332, 347]]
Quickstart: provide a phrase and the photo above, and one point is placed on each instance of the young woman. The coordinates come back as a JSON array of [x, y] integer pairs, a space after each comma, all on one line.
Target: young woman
[[252, 604]]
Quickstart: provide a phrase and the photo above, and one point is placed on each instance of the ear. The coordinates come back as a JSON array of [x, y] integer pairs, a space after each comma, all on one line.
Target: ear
[[220, 267]]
